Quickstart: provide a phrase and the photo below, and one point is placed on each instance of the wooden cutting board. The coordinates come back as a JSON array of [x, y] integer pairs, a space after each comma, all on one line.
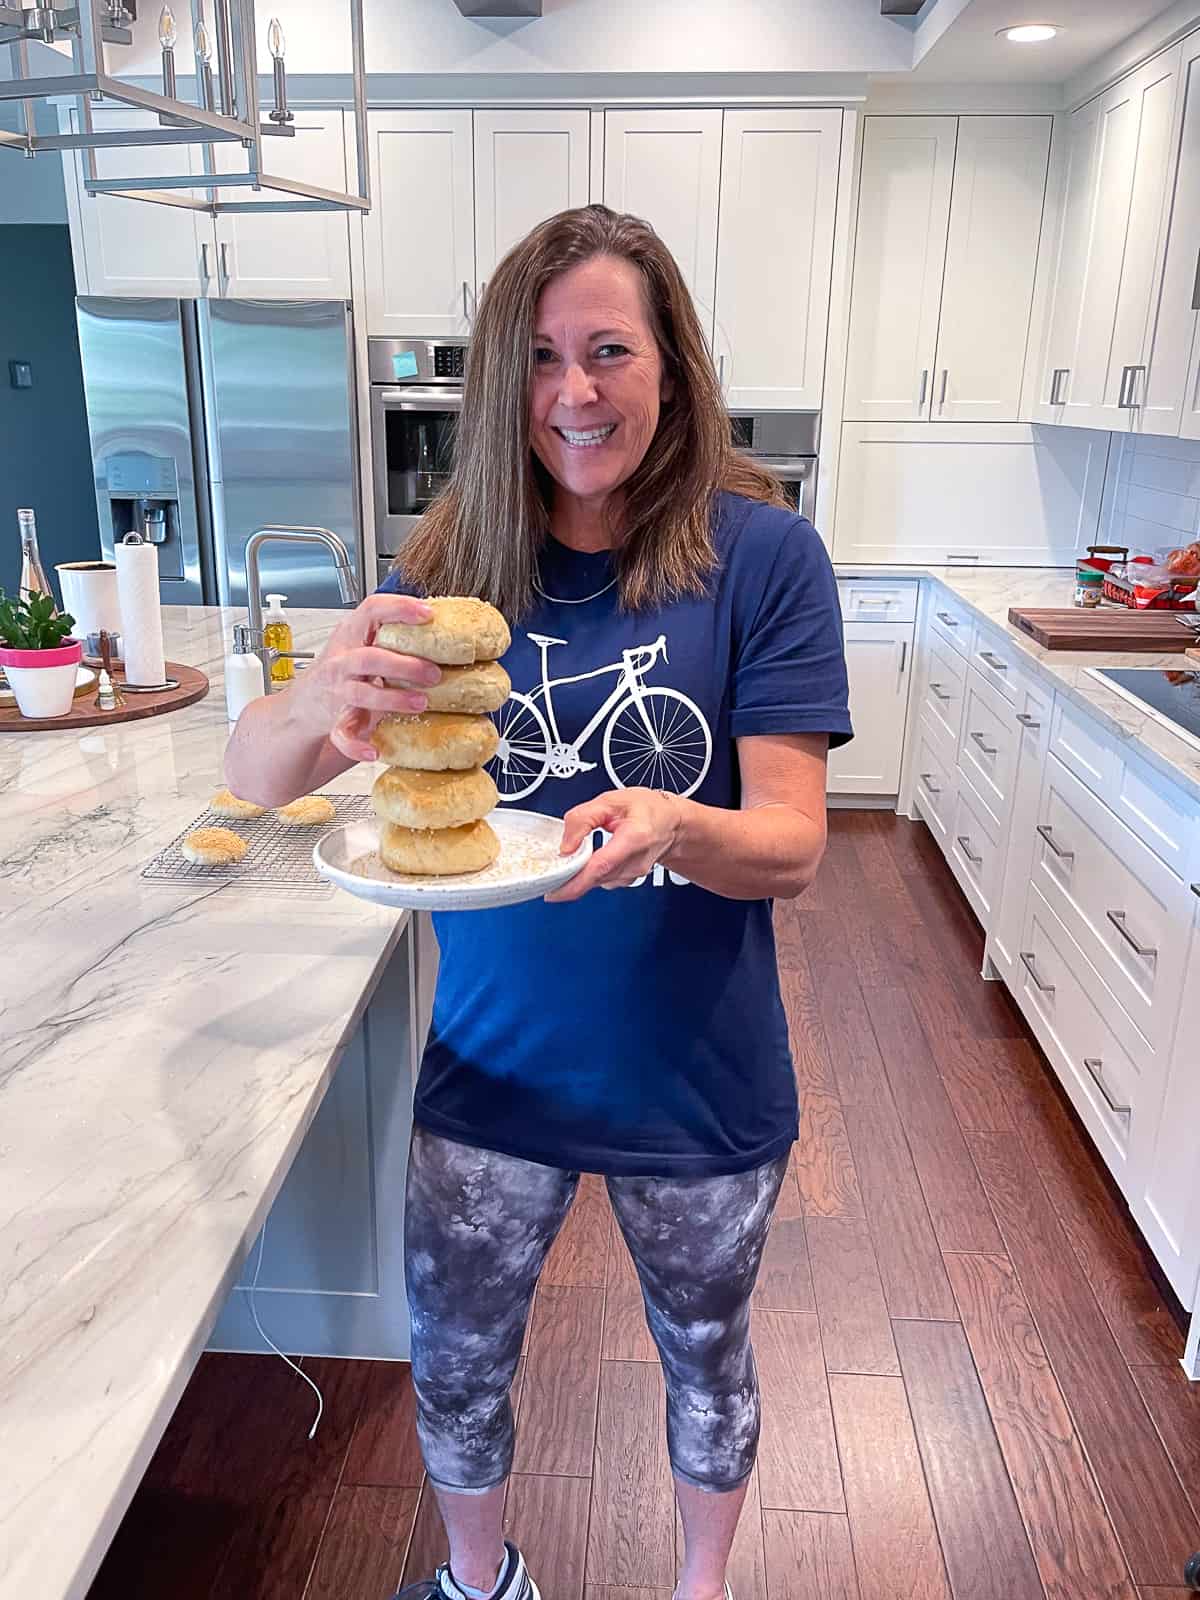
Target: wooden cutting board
[[1075, 628], [193, 686]]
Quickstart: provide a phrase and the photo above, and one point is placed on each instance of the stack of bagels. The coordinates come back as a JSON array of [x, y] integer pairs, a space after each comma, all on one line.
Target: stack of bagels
[[434, 794]]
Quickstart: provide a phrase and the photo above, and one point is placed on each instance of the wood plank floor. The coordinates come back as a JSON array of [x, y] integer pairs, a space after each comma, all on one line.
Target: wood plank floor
[[970, 1380]]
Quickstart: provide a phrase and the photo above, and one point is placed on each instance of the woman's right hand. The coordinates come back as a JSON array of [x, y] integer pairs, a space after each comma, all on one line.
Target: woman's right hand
[[353, 682]]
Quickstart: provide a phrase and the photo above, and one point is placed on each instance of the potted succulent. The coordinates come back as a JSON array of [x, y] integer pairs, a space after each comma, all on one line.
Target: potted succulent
[[39, 657]]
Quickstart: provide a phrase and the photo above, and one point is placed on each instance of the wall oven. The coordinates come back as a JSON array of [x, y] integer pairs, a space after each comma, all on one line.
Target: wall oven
[[416, 397], [786, 443]]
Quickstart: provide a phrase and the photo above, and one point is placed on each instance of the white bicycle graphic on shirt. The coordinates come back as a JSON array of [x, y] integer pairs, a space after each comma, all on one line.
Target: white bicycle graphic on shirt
[[653, 738]]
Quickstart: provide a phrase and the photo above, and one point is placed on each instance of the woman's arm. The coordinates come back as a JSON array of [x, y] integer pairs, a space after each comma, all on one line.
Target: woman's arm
[[770, 848], [287, 744]]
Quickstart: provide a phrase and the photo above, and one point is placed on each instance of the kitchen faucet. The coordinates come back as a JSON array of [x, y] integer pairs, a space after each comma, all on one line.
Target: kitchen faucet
[[287, 534]]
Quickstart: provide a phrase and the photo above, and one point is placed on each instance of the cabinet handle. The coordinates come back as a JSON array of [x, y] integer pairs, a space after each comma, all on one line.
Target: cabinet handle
[[954, 555], [1027, 721], [466, 307], [479, 296], [1096, 1072], [721, 373], [942, 395], [964, 844], [993, 661], [1129, 377], [936, 690], [988, 749], [927, 780], [864, 600], [1147, 952], [944, 616], [1196, 285], [224, 259], [903, 655], [1056, 377], [1027, 963], [1047, 833], [924, 388], [205, 269]]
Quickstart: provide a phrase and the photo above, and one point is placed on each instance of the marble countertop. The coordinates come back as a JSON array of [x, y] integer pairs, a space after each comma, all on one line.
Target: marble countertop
[[164, 1050]]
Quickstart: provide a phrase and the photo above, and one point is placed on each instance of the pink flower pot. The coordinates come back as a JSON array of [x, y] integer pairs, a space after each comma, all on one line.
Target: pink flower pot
[[43, 681]]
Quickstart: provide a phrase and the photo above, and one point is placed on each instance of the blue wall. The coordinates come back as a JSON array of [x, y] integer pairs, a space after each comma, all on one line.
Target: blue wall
[[45, 452]]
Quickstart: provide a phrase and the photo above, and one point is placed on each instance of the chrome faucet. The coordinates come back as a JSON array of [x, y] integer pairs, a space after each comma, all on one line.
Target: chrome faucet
[[286, 534]]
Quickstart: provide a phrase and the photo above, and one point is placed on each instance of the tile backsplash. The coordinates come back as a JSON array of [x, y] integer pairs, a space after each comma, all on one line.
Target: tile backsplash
[[1156, 501]]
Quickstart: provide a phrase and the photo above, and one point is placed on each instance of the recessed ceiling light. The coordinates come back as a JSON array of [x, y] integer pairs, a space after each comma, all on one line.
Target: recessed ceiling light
[[1030, 32]]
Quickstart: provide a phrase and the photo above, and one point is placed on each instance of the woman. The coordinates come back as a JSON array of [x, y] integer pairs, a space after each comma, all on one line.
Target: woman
[[597, 501]]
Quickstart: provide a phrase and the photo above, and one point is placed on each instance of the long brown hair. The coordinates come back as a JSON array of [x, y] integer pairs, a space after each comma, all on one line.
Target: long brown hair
[[482, 535]]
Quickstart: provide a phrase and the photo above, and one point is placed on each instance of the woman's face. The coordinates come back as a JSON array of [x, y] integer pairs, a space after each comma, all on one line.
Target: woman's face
[[597, 378]]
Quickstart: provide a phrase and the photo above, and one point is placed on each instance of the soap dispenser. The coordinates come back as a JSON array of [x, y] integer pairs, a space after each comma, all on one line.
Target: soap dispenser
[[277, 635], [243, 672]]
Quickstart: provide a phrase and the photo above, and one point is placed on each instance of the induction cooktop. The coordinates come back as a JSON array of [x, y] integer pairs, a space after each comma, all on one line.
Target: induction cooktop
[[1171, 697]]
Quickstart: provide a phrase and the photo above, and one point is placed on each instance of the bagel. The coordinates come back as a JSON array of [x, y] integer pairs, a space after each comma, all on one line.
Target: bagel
[[433, 799], [440, 852], [436, 741], [478, 689], [461, 632]]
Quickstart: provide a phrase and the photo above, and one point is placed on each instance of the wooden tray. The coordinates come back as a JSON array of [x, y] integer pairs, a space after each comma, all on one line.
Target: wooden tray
[[1077, 628], [193, 686]]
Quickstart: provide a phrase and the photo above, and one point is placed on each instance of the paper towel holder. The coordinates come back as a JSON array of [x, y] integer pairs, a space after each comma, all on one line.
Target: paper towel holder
[[134, 537]]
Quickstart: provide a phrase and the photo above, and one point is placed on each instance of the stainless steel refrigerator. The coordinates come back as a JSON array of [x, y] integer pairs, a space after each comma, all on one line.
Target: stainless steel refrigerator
[[212, 418]]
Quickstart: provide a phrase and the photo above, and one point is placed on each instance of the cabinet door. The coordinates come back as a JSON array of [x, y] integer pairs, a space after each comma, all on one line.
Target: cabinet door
[[665, 166], [779, 178], [136, 247], [1172, 403], [528, 166], [419, 236], [991, 261], [903, 216], [1074, 246], [1032, 715], [1120, 270], [879, 661], [301, 255]]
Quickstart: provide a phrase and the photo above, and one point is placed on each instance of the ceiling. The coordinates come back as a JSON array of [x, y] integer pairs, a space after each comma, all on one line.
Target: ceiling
[[970, 52]]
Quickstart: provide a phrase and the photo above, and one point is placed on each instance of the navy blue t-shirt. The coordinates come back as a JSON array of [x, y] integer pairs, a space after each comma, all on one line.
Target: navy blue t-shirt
[[639, 1031]]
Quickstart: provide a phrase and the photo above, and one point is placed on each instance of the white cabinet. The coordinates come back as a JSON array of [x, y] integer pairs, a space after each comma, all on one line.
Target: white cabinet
[[1032, 716], [950, 216], [419, 236], [779, 179], [1172, 396], [665, 166], [136, 247], [529, 165], [301, 255], [879, 661], [1111, 255]]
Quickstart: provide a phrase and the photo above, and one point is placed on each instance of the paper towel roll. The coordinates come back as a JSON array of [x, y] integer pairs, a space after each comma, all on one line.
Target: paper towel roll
[[141, 611], [89, 591]]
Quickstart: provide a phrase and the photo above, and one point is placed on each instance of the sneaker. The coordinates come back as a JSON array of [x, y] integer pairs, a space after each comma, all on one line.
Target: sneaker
[[515, 1583]]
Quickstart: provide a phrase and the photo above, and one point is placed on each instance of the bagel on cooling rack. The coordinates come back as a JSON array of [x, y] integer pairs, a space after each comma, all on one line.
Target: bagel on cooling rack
[[433, 799], [461, 632], [440, 852], [473, 690], [436, 741]]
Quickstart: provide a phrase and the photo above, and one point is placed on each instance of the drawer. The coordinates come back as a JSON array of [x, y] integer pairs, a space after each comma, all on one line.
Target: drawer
[[1122, 906], [988, 745], [974, 853], [1084, 747], [935, 787], [998, 661], [1063, 997], [945, 690], [952, 620], [869, 600]]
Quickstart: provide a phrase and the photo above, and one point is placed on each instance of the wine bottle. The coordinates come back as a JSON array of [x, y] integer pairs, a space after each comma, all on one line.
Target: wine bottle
[[33, 574]]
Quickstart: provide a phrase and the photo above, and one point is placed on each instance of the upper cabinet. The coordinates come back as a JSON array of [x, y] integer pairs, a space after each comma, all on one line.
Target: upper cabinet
[[1121, 155], [949, 222], [779, 183], [528, 166], [665, 166], [419, 235], [1172, 404]]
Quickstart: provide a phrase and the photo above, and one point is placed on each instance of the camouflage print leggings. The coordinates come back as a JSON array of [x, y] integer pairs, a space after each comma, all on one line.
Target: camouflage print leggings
[[478, 1227]]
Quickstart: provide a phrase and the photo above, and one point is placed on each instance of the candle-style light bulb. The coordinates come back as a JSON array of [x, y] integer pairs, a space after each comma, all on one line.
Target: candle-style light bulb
[[203, 44], [275, 43], [275, 39], [168, 33]]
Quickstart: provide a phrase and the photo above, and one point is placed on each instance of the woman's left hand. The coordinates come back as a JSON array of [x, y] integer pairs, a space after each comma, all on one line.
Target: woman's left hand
[[645, 826]]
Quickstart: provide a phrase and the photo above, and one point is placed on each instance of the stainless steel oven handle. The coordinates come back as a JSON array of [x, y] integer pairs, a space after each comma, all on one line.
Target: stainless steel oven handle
[[416, 398]]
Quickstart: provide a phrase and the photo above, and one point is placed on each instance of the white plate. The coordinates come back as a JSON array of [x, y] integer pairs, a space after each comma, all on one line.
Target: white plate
[[527, 867]]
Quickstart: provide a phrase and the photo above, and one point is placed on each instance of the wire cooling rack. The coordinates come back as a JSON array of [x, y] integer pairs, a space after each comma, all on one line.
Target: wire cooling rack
[[279, 857]]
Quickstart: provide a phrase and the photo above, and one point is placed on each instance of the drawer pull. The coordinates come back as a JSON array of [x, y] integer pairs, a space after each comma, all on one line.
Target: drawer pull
[[1027, 721], [873, 600], [927, 780], [1027, 963], [964, 844], [944, 616], [993, 661], [1147, 952], [1096, 1072], [937, 690], [1047, 833], [988, 749]]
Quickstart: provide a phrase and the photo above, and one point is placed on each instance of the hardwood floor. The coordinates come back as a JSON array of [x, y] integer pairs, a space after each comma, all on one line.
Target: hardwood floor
[[970, 1381]]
